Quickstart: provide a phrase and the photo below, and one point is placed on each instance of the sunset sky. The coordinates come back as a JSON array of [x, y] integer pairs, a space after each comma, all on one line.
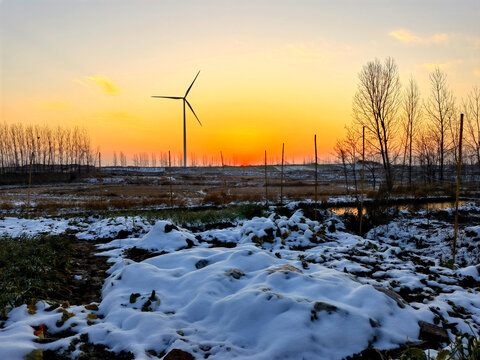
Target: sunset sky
[[271, 71]]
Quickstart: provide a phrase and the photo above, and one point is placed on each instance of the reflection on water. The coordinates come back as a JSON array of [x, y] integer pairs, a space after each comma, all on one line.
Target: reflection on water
[[343, 210], [410, 207]]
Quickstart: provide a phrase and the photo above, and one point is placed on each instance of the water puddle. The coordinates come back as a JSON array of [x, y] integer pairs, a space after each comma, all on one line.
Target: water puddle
[[410, 207]]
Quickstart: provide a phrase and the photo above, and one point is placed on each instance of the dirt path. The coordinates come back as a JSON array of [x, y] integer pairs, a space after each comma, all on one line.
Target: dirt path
[[92, 270]]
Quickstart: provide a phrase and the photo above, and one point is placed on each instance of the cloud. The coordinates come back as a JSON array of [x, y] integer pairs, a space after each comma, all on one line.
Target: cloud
[[443, 66], [106, 84], [405, 36], [55, 105], [408, 37], [476, 72]]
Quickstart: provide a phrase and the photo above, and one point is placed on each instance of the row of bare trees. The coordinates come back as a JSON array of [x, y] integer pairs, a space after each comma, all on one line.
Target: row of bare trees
[[46, 148], [144, 159], [153, 159], [405, 134]]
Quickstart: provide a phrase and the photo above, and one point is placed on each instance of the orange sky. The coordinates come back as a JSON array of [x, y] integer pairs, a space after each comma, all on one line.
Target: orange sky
[[271, 71]]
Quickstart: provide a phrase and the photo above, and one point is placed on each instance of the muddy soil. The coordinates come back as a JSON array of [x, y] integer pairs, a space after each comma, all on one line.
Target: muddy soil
[[92, 270]]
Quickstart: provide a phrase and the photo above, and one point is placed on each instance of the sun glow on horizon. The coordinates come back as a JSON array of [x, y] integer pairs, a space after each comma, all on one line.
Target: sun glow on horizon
[[275, 73]]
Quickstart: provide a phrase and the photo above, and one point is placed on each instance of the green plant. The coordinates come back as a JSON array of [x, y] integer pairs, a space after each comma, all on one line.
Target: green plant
[[34, 268], [464, 347]]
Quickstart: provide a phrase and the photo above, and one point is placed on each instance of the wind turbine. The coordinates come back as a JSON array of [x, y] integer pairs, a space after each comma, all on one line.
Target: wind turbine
[[185, 101]]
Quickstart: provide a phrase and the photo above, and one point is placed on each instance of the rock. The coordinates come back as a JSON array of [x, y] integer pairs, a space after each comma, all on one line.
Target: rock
[[133, 297], [432, 333], [323, 306], [235, 273], [201, 264], [123, 234], [204, 347], [393, 295], [170, 227], [177, 354], [285, 268]]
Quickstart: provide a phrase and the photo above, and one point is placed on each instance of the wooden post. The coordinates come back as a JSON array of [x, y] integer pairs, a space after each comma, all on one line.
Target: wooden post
[[100, 174], [170, 178], [30, 180], [459, 175], [316, 178], [281, 176], [363, 180], [266, 182], [223, 171]]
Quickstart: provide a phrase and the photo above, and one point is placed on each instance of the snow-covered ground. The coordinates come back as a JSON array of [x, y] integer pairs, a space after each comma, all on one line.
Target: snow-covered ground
[[276, 287]]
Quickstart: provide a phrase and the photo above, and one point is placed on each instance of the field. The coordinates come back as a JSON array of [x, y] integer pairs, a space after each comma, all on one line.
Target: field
[[127, 264]]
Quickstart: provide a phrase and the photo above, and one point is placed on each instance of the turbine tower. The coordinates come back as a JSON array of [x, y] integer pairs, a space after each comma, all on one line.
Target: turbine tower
[[185, 101]]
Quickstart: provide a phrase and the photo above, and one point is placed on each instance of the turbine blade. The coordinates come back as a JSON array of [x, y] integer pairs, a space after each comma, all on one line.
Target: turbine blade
[[190, 106], [188, 90], [168, 97]]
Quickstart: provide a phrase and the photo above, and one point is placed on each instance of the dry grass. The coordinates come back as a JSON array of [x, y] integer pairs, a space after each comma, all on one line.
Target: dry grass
[[150, 191]]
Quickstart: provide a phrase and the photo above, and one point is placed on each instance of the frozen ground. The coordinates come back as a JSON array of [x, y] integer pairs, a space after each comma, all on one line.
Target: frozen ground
[[275, 287]]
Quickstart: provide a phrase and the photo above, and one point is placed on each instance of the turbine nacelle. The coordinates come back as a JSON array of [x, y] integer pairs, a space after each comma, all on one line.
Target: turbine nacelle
[[184, 98]]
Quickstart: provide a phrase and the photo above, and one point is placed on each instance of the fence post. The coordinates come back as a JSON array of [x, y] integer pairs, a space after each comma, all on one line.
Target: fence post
[[223, 172], [459, 175], [30, 180], [170, 178], [100, 174], [266, 182], [363, 180], [316, 178], [281, 176]]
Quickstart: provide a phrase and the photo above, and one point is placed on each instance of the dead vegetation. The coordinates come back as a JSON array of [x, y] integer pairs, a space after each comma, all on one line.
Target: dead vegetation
[[200, 186]]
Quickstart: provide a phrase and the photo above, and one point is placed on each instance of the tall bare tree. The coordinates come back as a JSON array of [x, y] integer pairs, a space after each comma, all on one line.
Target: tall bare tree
[[123, 159], [375, 106], [471, 109], [440, 108], [412, 114]]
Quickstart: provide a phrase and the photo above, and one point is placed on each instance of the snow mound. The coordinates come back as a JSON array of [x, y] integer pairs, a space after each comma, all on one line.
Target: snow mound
[[473, 271], [243, 303], [164, 236]]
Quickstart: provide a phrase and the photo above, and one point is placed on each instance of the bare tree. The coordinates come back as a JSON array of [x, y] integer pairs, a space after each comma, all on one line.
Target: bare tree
[[123, 160], [412, 115], [427, 145], [440, 110], [471, 109], [154, 159], [375, 106], [352, 153], [339, 151]]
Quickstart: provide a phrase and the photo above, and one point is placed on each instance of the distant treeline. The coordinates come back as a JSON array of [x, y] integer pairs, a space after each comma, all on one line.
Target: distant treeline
[[48, 149]]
